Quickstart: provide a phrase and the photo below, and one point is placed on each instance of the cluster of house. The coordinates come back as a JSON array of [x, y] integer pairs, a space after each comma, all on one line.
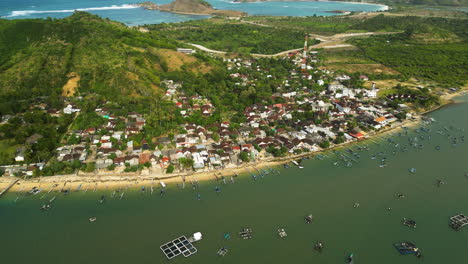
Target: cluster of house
[[267, 126], [187, 104]]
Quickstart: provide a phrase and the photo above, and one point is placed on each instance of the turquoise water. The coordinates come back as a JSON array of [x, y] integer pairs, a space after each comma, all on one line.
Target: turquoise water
[[130, 230], [123, 11]]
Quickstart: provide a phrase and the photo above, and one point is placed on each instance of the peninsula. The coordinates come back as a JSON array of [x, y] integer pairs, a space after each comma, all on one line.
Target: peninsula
[[191, 7]]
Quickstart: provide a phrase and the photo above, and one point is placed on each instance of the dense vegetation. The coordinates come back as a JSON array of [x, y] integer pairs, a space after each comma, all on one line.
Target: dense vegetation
[[37, 55], [234, 37], [434, 50]]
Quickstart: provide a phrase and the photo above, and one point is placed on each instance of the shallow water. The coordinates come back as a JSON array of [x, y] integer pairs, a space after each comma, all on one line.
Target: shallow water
[[121, 10], [132, 229]]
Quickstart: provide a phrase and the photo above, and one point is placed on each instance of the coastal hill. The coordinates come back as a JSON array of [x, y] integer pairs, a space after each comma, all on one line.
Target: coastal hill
[[83, 54], [194, 7]]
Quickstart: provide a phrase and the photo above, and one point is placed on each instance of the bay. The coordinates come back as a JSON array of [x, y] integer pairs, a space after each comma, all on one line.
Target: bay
[[125, 12]]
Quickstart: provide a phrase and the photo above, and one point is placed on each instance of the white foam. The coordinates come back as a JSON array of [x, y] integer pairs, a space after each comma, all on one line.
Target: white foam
[[30, 12]]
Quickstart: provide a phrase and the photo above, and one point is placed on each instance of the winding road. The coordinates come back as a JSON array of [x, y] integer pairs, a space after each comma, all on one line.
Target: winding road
[[326, 42]]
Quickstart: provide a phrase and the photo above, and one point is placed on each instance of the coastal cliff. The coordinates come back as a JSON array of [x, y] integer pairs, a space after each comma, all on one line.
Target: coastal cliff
[[193, 7]]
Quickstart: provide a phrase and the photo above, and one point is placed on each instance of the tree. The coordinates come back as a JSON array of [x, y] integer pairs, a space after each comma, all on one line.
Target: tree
[[325, 144], [244, 156], [170, 169], [215, 136]]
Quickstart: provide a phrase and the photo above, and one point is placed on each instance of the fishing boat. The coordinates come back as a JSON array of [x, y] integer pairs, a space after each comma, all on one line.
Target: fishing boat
[[45, 207], [308, 219], [297, 164], [407, 248], [92, 219], [350, 259], [222, 252], [282, 233], [318, 246], [409, 222], [440, 183], [103, 198], [35, 190]]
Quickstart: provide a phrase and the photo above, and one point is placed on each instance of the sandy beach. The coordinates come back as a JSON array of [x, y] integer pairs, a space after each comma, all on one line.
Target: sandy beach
[[102, 181]]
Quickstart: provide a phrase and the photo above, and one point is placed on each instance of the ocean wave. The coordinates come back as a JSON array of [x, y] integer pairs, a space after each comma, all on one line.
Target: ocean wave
[[31, 12]]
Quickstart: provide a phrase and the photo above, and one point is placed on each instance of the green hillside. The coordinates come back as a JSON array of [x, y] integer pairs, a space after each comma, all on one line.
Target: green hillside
[[37, 58]]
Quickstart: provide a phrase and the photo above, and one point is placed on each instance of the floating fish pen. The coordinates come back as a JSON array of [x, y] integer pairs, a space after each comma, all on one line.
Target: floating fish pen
[[222, 252], [246, 233], [282, 232], [458, 221], [407, 248], [178, 246], [409, 222]]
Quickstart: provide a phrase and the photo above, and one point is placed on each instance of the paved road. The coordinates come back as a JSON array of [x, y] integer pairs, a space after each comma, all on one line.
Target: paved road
[[326, 42]]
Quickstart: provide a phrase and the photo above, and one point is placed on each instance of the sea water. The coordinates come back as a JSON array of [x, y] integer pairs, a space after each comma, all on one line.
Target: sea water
[[132, 229], [125, 11]]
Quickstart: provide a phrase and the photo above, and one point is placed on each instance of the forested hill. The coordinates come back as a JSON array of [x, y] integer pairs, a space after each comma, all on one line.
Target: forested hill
[[82, 54]]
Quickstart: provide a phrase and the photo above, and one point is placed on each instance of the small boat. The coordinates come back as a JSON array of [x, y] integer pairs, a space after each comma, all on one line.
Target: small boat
[[53, 199], [227, 236], [232, 179], [103, 198], [286, 166], [92, 219], [79, 188], [45, 207], [350, 259], [409, 222], [217, 189], [143, 189], [318, 246], [356, 205], [412, 170], [308, 219], [282, 232], [113, 194], [151, 190], [440, 183], [407, 248], [121, 196], [400, 195], [198, 197], [222, 251]]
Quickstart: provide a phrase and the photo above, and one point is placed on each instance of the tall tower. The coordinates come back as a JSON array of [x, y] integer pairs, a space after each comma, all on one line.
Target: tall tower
[[304, 55]]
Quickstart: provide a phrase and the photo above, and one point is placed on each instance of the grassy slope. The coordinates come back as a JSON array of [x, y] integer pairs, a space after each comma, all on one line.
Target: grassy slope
[[234, 36], [111, 59]]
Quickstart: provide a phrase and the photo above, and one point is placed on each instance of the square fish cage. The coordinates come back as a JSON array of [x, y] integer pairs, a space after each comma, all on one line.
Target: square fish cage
[[178, 246]]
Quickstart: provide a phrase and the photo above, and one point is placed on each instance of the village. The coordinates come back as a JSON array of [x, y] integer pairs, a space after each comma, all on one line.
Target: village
[[298, 119]]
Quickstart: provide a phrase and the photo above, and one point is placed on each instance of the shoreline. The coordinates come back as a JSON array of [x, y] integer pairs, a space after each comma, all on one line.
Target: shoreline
[[105, 182]]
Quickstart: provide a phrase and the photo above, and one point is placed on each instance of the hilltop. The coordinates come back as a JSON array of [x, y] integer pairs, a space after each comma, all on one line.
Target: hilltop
[[194, 7]]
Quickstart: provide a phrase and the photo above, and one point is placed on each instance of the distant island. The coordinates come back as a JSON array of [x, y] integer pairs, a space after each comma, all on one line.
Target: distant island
[[191, 7]]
